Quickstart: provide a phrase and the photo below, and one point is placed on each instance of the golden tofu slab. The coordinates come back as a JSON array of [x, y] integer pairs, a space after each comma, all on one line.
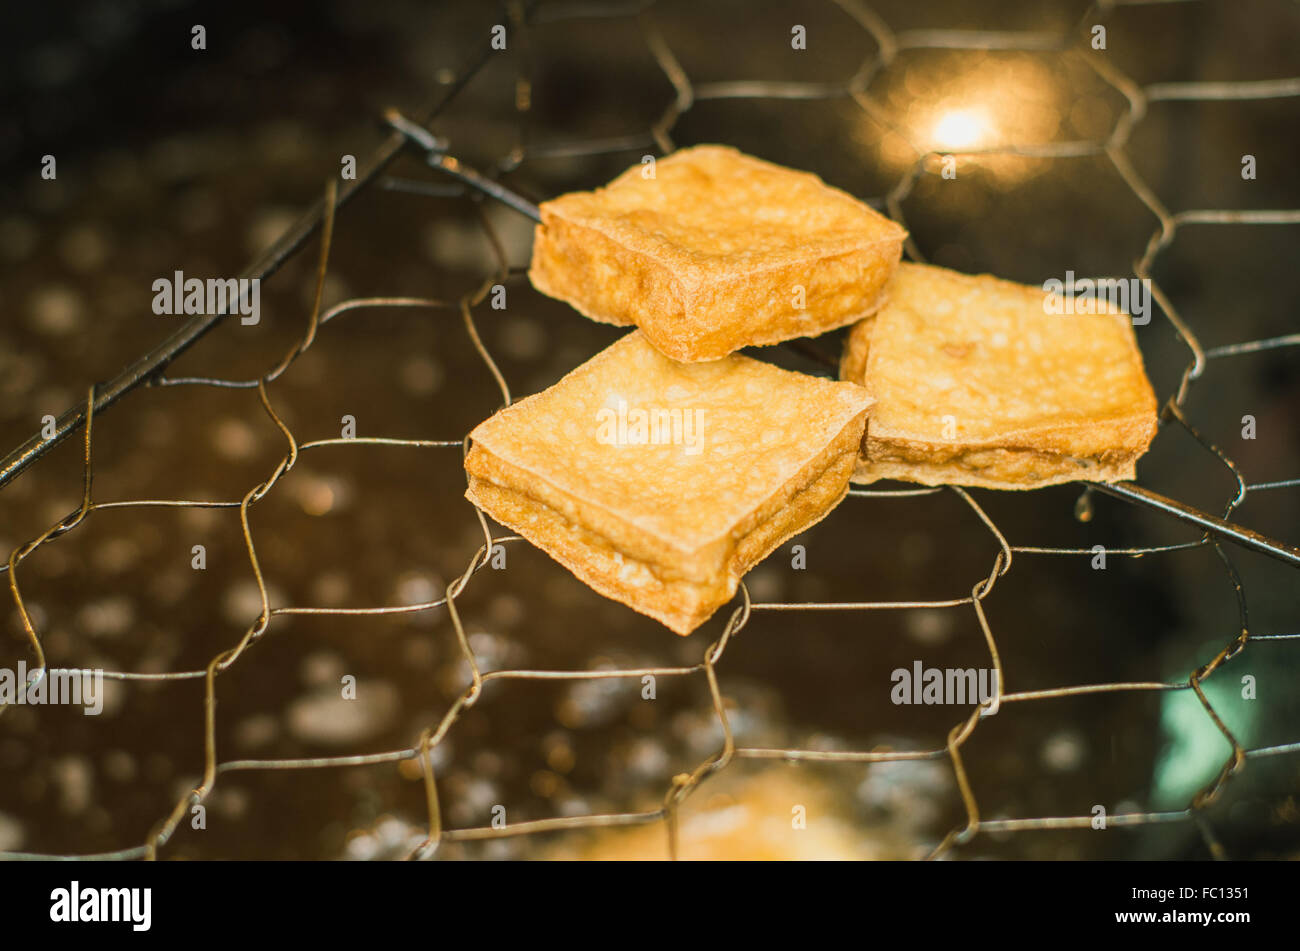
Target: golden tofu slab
[[659, 483], [716, 252], [976, 384]]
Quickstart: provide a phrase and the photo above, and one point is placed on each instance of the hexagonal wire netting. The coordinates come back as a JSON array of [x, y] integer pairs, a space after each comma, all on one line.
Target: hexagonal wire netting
[[868, 91]]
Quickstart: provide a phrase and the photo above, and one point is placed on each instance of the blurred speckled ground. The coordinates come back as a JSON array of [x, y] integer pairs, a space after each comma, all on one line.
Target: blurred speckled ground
[[171, 159]]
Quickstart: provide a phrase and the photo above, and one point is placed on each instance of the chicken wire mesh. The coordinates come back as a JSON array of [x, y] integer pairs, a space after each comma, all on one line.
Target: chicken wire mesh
[[724, 735]]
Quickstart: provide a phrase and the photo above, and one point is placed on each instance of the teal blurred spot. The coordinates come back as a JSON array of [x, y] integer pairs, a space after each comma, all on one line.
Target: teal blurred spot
[[1195, 749]]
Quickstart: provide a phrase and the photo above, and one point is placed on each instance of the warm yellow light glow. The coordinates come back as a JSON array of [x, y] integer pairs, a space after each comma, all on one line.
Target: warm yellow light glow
[[986, 105], [959, 129]]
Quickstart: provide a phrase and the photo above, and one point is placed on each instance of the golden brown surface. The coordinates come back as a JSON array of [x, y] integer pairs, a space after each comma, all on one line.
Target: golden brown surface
[[1031, 398], [747, 818], [668, 526], [706, 257]]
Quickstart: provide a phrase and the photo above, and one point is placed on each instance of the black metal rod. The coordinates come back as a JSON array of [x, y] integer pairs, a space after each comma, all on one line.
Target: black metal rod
[[149, 366], [1245, 537], [435, 154], [493, 189]]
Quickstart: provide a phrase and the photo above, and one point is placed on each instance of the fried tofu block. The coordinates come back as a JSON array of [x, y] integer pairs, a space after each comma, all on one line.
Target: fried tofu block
[[718, 251], [659, 483], [976, 384]]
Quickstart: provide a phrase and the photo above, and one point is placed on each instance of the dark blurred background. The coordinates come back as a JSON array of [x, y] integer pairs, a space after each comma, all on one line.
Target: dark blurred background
[[171, 158]]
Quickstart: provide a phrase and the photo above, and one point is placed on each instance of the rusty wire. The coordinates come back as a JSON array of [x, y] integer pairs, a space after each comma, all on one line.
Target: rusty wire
[[858, 88]]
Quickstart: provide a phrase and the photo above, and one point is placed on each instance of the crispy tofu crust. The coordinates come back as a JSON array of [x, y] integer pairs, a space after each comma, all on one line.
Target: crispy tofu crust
[[668, 525], [975, 384], [707, 256]]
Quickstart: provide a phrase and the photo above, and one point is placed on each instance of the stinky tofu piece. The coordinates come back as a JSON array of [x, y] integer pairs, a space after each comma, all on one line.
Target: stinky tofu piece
[[658, 483], [718, 251], [977, 384]]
